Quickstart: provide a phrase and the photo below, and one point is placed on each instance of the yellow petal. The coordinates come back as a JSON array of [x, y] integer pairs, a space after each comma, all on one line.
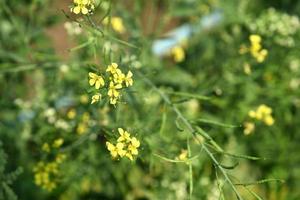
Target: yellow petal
[[129, 74], [98, 83], [84, 2], [110, 93], [121, 131], [92, 75], [92, 81], [118, 86], [76, 10], [84, 10]]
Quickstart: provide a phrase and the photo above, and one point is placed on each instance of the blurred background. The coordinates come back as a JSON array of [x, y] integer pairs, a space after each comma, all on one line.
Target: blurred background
[[241, 54]]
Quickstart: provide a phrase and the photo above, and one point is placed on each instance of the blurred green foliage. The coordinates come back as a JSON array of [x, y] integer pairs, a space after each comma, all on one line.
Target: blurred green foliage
[[45, 96]]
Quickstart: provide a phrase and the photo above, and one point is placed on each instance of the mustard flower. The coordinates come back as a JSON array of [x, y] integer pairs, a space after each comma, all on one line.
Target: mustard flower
[[60, 158], [183, 155], [256, 49], [255, 39], [113, 89], [269, 120], [263, 113], [133, 146], [119, 77], [249, 127], [71, 114], [126, 146], [82, 6], [116, 150], [128, 79], [113, 68], [113, 100], [58, 142], [124, 135], [96, 98], [81, 128], [116, 24], [84, 99], [178, 53], [46, 174], [112, 149], [96, 80], [46, 147]]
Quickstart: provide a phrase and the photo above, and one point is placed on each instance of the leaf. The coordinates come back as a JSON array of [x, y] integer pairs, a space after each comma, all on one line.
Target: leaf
[[230, 167], [207, 121], [195, 96]]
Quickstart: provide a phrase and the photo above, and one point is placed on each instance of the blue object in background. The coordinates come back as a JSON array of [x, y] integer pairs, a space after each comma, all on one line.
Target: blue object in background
[[162, 47]]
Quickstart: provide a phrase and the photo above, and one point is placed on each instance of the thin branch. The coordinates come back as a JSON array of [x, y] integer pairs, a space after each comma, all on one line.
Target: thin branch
[[191, 130]]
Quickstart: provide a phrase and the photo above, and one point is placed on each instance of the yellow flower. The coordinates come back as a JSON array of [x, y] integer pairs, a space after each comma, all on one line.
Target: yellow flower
[[124, 135], [247, 69], [71, 114], [249, 128], [46, 147], [178, 53], [60, 158], [129, 155], [112, 149], [82, 6], [112, 91], [264, 109], [96, 98], [120, 149], [183, 155], [96, 80], [128, 79], [116, 150], [255, 39], [84, 99], [58, 142], [134, 144], [113, 101], [116, 23], [119, 77], [46, 174], [113, 68], [126, 145], [256, 49], [252, 114], [263, 113], [269, 120], [81, 128], [261, 56]]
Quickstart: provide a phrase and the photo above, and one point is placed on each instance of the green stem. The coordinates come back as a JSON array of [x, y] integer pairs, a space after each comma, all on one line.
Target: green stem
[[191, 130]]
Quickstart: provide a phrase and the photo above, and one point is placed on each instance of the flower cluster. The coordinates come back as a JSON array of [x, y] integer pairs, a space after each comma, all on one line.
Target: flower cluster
[[249, 127], [83, 6], [46, 174], [56, 144], [255, 49], [262, 113], [126, 146], [117, 80], [281, 27]]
